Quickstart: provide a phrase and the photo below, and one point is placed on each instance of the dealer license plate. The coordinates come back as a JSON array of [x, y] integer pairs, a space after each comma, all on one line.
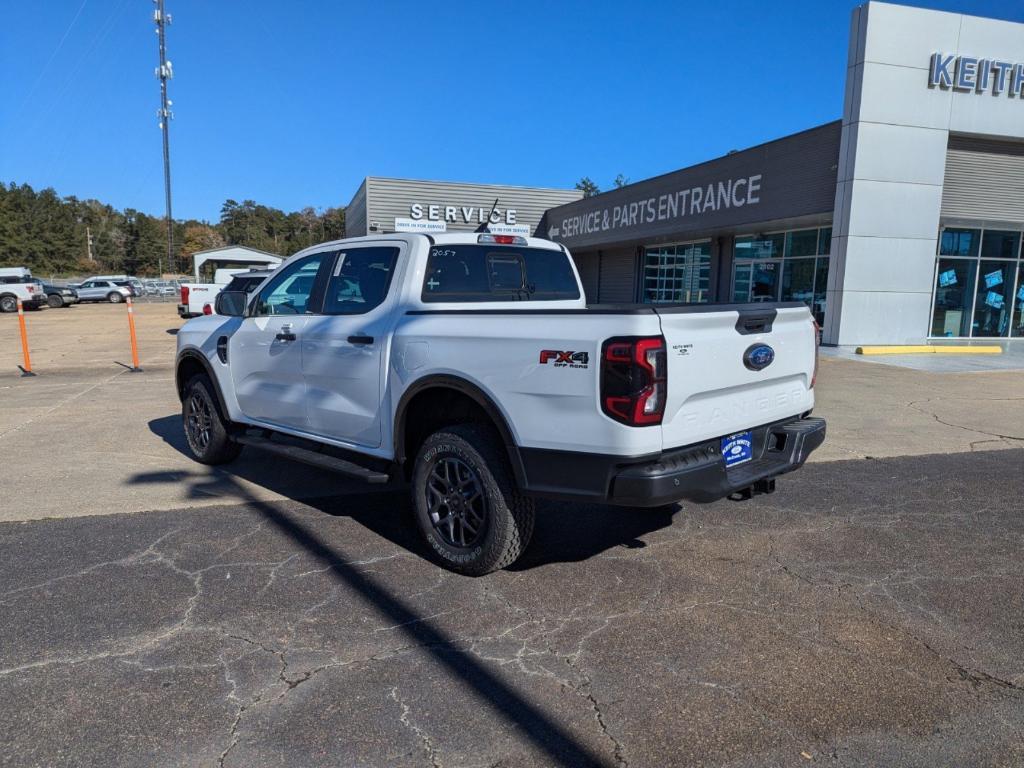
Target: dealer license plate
[[737, 449]]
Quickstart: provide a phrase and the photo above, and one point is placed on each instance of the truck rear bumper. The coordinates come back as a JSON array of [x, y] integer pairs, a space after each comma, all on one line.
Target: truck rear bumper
[[695, 472]]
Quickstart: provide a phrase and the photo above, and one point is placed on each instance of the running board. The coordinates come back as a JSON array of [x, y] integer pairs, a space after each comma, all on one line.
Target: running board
[[315, 458]]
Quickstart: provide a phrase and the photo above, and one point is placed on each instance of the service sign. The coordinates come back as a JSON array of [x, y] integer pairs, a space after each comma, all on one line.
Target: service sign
[[463, 214]]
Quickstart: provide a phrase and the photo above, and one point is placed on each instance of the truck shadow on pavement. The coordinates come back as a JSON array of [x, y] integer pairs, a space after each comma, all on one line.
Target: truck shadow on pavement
[[564, 532], [393, 522]]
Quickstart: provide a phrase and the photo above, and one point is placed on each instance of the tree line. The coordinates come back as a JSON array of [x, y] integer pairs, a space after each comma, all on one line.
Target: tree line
[[53, 235]]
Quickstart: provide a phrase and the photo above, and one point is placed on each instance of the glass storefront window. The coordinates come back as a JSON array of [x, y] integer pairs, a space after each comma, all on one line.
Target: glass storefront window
[[801, 242], [954, 289], [679, 274], [979, 297], [760, 247], [825, 240], [798, 281], [786, 266], [959, 242], [1017, 317], [1000, 245], [820, 287], [994, 298]]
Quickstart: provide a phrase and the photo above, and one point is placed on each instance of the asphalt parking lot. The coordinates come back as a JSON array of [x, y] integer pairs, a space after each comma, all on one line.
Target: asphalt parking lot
[[161, 613]]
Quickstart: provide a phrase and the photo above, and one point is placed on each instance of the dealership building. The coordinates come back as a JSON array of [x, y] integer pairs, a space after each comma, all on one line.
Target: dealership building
[[899, 223]]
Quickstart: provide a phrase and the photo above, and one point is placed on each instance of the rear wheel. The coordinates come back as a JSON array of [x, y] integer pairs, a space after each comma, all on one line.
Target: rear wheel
[[8, 303], [55, 301], [206, 431], [467, 504], [114, 297]]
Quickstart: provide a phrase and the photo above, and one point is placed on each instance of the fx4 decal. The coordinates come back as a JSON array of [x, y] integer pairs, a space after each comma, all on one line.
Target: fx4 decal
[[561, 359]]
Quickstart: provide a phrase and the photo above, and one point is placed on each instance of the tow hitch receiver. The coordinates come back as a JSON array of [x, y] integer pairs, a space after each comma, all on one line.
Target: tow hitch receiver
[[758, 488]]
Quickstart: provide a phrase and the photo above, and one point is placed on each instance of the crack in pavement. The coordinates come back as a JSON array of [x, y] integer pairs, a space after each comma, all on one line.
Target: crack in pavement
[[935, 416], [405, 720]]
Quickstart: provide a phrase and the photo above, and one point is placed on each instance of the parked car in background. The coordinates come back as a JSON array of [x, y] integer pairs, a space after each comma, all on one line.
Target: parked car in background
[[130, 286], [103, 290], [164, 288], [134, 282], [18, 283], [58, 296]]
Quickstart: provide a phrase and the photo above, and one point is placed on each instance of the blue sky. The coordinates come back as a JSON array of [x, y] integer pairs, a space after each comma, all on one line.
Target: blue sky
[[292, 103]]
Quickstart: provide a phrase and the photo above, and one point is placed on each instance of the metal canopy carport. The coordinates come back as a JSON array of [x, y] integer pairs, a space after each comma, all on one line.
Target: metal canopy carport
[[237, 254]]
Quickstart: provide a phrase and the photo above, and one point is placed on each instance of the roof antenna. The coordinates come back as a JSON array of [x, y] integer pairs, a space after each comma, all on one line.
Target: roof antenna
[[484, 227]]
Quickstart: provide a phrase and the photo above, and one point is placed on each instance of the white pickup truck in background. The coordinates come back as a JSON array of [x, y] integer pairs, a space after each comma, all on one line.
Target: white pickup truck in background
[[199, 298], [471, 366], [18, 283]]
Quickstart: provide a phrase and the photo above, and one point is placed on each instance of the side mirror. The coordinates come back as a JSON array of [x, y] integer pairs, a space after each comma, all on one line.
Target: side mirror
[[231, 303]]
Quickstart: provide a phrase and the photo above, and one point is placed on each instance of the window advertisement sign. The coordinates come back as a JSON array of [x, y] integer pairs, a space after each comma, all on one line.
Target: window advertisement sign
[[994, 300], [947, 278], [992, 279]]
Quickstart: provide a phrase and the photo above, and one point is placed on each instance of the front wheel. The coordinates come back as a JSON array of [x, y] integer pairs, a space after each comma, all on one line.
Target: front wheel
[[8, 304], [205, 430], [55, 301], [467, 504]]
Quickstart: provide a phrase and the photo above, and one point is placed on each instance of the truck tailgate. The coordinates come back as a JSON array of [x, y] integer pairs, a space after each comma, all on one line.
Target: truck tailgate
[[714, 386]]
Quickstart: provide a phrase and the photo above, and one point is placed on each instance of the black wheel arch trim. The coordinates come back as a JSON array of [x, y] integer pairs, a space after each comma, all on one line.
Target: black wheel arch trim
[[474, 392], [190, 354]]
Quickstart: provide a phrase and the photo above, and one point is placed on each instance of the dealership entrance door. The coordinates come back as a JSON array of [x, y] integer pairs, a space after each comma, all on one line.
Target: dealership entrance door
[[757, 280]]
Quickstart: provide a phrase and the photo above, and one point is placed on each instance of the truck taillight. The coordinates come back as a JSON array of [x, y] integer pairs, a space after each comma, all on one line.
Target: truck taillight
[[184, 294], [207, 309], [817, 347], [634, 380]]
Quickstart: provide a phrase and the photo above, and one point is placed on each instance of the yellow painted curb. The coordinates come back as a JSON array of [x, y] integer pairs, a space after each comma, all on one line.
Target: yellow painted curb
[[924, 349]]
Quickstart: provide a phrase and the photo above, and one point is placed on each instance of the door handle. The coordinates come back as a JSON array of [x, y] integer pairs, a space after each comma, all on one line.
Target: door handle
[[285, 336], [360, 339]]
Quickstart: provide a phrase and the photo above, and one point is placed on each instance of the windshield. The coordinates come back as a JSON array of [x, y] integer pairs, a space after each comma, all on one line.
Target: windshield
[[464, 273]]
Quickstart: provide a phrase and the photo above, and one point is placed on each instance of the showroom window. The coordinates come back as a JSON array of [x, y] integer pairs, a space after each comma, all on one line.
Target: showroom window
[[678, 273], [783, 266], [978, 284]]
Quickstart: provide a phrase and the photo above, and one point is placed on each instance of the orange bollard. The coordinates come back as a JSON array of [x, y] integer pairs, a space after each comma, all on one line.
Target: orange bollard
[[26, 369], [131, 331]]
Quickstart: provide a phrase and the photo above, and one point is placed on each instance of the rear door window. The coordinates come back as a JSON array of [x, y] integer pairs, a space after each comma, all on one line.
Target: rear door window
[[360, 280], [470, 272]]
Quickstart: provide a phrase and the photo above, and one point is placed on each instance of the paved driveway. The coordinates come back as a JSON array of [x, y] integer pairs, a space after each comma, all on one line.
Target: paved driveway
[[868, 613]]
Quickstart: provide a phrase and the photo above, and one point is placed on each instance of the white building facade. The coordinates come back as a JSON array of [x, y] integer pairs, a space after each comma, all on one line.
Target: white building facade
[[929, 205]]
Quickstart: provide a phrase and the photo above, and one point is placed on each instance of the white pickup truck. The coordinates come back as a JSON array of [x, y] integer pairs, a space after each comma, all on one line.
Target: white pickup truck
[[18, 283], [471, 366], [199, 298]]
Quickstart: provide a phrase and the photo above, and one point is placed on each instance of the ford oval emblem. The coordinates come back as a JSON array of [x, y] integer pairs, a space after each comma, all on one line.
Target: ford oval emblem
[[758, 357]]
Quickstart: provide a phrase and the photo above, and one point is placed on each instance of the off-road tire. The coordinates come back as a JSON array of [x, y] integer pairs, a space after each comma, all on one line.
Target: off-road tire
[[114, 297], [54, 301], [206, 430], [8, 303], [509, 514]]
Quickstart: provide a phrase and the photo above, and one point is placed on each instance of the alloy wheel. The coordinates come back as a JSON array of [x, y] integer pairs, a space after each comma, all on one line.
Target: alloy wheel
[[456, 503], [199, 422]]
